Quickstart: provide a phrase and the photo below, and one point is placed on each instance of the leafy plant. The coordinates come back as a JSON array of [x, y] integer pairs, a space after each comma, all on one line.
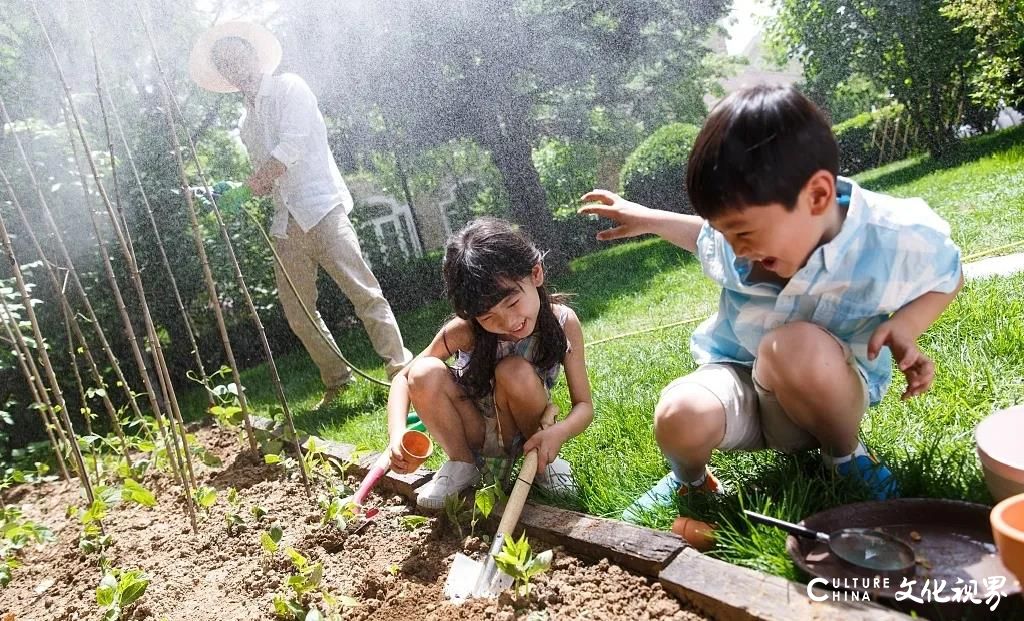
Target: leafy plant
[[92, 538], [258, 512], [484, 501], [304, 589], [517, 560], [233, 518], [205, 497], [336, 511], [458, 512], [132, 491], [271, 539], [16, 531], [412, 522], [118, 590]]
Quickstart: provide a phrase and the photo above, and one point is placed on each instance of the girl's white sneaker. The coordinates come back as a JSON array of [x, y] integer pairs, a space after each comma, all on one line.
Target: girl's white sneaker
[[450, 480], [556, 478]]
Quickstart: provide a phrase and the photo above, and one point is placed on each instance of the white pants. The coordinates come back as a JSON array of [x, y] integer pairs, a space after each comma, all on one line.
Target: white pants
[[333, 245]]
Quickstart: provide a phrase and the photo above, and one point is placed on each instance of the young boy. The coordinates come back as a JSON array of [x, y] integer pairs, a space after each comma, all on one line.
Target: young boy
[[823, 283]]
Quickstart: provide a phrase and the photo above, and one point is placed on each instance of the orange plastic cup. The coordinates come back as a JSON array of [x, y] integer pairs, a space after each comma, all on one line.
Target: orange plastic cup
[[700, 535], [416, 448], [1007, 520]]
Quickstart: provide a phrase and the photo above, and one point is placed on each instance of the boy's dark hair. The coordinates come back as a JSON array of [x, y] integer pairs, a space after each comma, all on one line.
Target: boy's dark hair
[[482, 264], [760, 145]]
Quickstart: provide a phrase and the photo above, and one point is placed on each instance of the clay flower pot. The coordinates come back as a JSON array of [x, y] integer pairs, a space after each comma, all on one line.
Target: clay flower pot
[[1008, 531], [700, 535], [1000, 444], [416, 448]]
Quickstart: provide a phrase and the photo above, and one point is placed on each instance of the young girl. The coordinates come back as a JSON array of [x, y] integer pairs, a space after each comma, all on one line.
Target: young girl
[[508, 340]]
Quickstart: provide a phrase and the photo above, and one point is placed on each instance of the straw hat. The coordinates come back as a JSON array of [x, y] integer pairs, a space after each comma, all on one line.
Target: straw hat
[[200, 62]]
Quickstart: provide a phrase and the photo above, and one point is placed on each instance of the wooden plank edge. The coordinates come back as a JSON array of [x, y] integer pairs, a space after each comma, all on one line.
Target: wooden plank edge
[[682, 571], [733, 593]]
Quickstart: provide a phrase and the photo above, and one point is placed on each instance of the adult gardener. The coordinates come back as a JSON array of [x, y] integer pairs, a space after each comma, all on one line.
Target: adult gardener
[[286, 138]]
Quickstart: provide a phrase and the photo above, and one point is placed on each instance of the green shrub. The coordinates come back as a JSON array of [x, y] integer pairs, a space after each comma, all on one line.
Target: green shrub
[[567, 171], [655, 172], [858, 144]]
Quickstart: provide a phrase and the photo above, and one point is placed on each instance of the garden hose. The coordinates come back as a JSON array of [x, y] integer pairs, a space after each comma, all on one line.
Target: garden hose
[[241, 194], [688, 320]]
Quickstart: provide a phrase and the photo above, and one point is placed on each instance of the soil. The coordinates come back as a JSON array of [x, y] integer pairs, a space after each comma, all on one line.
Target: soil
[[391, 571]]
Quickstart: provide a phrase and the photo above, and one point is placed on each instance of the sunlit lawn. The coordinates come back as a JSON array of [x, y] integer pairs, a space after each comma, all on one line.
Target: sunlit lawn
[[978, 345]]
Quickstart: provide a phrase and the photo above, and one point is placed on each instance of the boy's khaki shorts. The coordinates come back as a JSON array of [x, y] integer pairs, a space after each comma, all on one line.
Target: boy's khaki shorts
[[754, 418]]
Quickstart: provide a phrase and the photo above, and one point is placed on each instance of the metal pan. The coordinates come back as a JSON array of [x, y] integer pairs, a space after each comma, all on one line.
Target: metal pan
[[951, 540], [866, 549]]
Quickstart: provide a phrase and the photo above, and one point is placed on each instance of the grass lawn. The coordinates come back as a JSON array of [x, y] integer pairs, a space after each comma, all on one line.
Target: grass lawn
[[978, 346]]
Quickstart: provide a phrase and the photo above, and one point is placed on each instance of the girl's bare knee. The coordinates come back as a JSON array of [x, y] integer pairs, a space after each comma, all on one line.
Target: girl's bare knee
[[427, 374], [513, 371]]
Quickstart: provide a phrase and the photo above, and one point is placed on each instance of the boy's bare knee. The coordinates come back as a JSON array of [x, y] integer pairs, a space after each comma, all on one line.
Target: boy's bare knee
[[689, 416], [426, 374], [799, 352]]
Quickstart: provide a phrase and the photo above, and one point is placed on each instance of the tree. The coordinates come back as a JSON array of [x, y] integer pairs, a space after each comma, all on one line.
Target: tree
[[501, 74], [998, 27], [910, 49]]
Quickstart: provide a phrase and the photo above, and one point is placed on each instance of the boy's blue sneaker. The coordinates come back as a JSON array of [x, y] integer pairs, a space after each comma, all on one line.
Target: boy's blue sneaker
[[663, 494], [873, 473]]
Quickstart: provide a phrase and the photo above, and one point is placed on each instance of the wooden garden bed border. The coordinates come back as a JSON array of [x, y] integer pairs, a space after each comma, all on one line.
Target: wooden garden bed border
[[726, 591]]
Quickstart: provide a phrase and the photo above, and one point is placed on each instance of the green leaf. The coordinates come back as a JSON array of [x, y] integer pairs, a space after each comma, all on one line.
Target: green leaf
[[347, 602], [133, 586], [205, 496], [272, 459], [314, 615], [135, 492], [270, 539], [297, 559], [412, 522], [106, 591]]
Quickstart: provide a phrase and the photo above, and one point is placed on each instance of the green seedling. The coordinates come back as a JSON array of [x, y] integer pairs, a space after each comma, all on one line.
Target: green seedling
[[17, 531], [258, 512], [118, 590], [205, 497], [458, 512], [271, 539], [132, 491], [337, 511], [92, 539], [517, 560], [233, 518], [484, 501], [412, 522]]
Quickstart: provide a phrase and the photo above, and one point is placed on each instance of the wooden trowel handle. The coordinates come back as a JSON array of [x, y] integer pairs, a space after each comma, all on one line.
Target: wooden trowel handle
[[516, 500]]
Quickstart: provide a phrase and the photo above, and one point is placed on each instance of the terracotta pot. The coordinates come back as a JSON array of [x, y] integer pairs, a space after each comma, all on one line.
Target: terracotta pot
[[1008, 531], [416, 447], [700, 535], [1000, 444]]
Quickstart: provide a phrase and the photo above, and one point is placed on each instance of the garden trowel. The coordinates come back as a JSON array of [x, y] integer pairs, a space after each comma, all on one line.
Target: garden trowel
[[468, 578]]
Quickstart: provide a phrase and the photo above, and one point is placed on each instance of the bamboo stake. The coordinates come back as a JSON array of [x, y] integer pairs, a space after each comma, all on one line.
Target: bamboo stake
[[86, 411], [129, 257], [41, 400], [90, 313], [128, 326], [64, 304], [19, 279], [189, 327], [274, 376]]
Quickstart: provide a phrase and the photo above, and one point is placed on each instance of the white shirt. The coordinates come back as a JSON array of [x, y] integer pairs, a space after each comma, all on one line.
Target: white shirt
[[285, 123]]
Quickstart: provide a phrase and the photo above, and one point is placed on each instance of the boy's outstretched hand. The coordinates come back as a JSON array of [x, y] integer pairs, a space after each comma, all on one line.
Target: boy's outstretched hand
[[631, 217], [916, 367]]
